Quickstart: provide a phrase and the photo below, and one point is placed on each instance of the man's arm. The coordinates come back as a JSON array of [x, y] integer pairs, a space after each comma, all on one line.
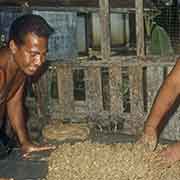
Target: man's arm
[[16, 115], [168, 93]]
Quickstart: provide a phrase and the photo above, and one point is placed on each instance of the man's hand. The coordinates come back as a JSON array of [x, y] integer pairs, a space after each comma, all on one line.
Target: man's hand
[[148, 139], [172, 153], [30, 148]]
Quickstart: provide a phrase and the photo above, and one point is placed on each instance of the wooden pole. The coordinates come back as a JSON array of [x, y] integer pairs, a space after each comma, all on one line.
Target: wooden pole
[[104, 14], [140, 28]]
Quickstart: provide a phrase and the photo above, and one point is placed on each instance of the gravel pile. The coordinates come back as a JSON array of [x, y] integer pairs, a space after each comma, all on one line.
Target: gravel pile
[[89, 161]]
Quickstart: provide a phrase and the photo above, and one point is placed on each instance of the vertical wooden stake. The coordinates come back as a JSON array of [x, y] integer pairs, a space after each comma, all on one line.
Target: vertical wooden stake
[[140, 28], [104, 14]]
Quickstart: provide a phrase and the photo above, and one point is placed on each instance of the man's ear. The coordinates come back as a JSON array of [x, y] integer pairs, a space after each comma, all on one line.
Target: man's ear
[[12, 46]]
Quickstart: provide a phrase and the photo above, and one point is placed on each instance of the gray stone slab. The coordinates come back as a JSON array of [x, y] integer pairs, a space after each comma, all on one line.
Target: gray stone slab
[[33, 169]]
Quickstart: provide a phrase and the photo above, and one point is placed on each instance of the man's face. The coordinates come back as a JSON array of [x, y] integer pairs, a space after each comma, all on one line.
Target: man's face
[[31, 55]]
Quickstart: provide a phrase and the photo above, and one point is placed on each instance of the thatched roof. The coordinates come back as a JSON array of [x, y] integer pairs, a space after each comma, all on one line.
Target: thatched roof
[[74, 3]]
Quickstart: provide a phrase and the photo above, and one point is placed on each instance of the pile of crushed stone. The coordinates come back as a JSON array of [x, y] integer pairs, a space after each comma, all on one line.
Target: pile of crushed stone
[[90, 161]]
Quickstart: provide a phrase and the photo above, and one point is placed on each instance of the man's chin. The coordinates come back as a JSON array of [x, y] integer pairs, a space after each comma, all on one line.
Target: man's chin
[[30, 73]]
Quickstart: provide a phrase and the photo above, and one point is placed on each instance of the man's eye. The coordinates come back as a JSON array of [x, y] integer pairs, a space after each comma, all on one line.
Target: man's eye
[[33, 55]]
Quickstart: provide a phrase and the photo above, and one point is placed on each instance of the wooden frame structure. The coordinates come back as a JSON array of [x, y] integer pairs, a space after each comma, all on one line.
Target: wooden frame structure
[[145, 75]]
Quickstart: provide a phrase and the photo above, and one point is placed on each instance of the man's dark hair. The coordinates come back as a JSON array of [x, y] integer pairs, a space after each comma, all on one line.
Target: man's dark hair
[[29, 23]]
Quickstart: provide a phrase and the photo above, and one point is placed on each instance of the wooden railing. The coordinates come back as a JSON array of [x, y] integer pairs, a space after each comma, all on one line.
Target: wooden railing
[[141, 78], [128, 89]]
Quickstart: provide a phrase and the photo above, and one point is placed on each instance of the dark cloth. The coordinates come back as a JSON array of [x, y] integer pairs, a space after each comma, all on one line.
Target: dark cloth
[[6, 145]]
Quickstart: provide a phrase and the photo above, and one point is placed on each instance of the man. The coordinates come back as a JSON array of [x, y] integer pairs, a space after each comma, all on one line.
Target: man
[[167, 95], [26, 52]]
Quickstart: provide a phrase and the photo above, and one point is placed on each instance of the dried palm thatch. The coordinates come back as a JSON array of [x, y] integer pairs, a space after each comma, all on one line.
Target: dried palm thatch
[[88, 161]]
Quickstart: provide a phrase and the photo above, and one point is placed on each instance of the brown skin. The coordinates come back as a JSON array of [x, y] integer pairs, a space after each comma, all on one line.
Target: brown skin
[[25, 60], [168, 93]]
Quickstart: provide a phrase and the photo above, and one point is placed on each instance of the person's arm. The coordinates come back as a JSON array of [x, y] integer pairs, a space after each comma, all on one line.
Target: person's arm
[[16, 116], [168, 93]]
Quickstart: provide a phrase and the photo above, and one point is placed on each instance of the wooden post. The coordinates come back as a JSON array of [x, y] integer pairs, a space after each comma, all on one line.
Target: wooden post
[[140, 28], [65, 90], [136, 89], [115, 81], [94, 89], [104, 14], [136, 123], [154, 81]]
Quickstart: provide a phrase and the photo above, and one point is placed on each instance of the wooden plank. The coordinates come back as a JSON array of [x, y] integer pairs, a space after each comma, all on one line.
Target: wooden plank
[[122, 61], [135, 124], [56, 4], [69, 9], [136, 89], [93, 89], [65, 90], [155, 77], [115, 83], [104, 15], [140, 28]]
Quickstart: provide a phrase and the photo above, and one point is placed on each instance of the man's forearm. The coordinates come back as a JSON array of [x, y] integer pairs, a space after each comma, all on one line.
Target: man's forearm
[[162, 104], [16, 116]]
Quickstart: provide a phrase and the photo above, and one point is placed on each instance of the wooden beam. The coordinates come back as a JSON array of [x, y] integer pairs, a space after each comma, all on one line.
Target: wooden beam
[[140, 28], [104, 14], [122, 61]]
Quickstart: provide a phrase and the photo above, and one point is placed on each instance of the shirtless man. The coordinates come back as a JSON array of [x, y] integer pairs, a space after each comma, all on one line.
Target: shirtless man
[[26, 52], [167, 95]]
